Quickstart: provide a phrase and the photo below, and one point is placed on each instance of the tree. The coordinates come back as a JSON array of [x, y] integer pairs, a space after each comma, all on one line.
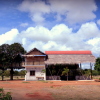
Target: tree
[[22, 73], [16, 50], [16, 73], [10, 57], [7, 73], [4, 59], [95, 72], [97, 65], [65, 72]]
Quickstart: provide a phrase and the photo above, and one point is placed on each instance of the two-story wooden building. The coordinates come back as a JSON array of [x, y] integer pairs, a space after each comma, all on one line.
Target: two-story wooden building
[[34, 65]]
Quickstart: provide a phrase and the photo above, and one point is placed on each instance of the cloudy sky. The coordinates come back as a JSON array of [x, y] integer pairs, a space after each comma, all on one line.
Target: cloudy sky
[[51, 24]]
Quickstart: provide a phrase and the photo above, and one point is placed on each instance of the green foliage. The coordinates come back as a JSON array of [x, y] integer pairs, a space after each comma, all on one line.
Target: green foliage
[[44, 81], [43, 71], [5, 96], [10, 56], [4, 56], [17, 48], [7, 73], [22, 73], [0, 72], [87, 72], [95, 72], [97, 65], [16, 73], [65, 71], [53, 71]]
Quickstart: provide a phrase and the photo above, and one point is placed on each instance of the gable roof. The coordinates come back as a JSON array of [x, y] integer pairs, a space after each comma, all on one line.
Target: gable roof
[[68, 52], [69, 57], [34, 50]]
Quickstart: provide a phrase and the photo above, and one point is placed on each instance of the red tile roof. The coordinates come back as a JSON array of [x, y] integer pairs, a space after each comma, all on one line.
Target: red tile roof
[[68, 52]]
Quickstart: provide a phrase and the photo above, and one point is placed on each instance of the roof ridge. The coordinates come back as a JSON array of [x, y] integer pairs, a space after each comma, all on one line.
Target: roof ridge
[[69, 52], [35, 49]]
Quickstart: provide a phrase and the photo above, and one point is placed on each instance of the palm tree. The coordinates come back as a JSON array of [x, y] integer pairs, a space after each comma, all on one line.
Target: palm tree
[[65, 72]]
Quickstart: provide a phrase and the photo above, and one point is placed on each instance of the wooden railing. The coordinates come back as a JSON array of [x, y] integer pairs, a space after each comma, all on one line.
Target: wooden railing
[[33, 63]]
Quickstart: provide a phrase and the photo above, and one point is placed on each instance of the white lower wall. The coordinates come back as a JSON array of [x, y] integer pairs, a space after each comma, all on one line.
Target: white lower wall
[[38, 73]]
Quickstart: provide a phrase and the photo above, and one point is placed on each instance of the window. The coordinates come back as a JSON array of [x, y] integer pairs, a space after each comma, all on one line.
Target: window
[[32, 73]]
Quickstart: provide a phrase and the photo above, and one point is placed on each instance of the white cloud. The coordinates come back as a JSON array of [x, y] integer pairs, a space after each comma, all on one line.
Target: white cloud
[[36, 44], [37, 33], [9, 36], [88, 30], [60, 37], [37, 17], [81, 11], [52, 45], [98, 22], [95, 43], [24, 24], [35, 8], [24, 41], [75, 11]]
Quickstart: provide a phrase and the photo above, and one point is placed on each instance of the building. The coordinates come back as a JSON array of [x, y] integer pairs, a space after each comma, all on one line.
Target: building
[[49, 65], [70, 59], [34, 65]]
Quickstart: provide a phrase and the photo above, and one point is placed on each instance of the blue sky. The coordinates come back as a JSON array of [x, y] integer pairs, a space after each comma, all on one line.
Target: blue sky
[[51, 24]]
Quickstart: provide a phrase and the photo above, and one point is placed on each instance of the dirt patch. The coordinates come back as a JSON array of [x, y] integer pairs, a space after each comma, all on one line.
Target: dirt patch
[[97, 80], [40, 96], [52, 90], [77, 92]]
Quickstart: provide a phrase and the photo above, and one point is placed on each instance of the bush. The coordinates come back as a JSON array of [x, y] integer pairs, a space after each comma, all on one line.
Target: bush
[[95, 72], [22, 72], [5, 96]]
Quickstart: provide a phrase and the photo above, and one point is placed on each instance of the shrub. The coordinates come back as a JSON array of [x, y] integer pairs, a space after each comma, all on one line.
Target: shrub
[[5, 96]]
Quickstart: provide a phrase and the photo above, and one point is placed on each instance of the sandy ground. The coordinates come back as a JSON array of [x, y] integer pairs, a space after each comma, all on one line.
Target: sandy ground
[[52, 90]]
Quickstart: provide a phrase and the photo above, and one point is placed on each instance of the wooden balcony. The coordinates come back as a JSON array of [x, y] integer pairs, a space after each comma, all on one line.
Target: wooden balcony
[[33, 63]]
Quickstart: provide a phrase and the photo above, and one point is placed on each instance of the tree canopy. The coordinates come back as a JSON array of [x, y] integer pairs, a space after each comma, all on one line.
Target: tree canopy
[[10, 56], [4, 59], [97, 65]]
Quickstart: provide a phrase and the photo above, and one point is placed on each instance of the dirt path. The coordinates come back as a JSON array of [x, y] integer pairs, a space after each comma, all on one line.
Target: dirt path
[[52, 90]]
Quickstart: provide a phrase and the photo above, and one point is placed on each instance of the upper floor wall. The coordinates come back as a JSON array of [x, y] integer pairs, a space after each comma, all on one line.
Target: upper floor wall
[[34, 57]]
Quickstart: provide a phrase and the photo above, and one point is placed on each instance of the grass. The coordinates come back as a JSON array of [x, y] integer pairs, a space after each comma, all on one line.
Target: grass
[[96, 77], [14, 77], [25, 82], [51, 82], [43, 81], [51, 86]]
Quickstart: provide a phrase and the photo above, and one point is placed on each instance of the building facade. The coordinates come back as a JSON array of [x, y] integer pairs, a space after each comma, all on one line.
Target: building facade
[[34, 65], [41, 66]]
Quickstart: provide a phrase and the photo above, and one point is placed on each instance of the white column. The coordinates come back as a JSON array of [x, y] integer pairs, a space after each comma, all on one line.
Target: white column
[[45, 73], [25, 75]]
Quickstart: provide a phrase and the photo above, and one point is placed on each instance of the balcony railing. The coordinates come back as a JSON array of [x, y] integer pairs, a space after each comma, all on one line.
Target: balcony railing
[[33, 63]]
